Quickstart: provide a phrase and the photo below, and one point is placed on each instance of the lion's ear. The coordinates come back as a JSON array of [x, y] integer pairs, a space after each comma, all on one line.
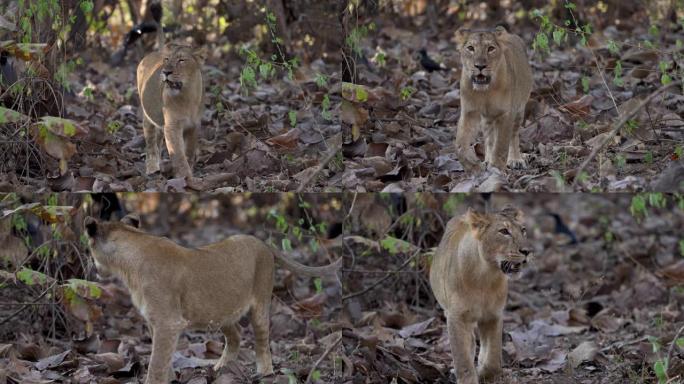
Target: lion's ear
[[500, 31], [200, 54], [512, 213], [476, 220], [90, 224], [131, 219], [461, 36]]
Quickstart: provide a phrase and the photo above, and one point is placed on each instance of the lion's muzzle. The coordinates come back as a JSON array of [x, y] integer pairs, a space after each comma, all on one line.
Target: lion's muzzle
[[166, 78], [514, 262]]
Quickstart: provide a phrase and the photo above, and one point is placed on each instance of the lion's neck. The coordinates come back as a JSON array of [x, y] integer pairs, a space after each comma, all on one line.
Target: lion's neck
[[473, 269]]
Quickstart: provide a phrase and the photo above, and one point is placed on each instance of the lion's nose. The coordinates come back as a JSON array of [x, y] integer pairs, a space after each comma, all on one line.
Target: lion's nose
[[525, 251], [480, 66], [167, 73]]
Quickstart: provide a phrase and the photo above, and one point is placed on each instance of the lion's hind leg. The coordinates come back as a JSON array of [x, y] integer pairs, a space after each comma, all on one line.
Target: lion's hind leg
[[232, 346]]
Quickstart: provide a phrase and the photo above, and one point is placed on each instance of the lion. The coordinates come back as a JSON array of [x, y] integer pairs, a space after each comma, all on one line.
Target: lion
[[469, 278], [496, 82], [172, 100], [209, 287]]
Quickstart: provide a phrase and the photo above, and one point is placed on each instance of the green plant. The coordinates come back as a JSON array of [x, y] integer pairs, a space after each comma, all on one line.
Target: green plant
[[640, 203], [406, 93], [113, 127]]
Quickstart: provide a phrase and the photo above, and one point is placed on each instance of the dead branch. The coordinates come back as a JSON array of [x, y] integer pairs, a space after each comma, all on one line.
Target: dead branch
[[616, 128], [323, 356]]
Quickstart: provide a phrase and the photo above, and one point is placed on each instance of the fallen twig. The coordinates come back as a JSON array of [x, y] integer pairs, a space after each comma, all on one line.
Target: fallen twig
[[27, 305], [379, 281], [616, 127], [318, 170], [326, 353], [672, 345]]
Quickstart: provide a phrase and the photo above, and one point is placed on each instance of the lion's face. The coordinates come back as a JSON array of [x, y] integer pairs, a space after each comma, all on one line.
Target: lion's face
[[181, 64], [502, 239], [106, 239], [481, 55]]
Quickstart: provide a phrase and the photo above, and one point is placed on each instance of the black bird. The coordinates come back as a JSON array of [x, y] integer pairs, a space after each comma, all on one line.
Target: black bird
[[8, 75], [428, 64], [137, 31], [562, 228]]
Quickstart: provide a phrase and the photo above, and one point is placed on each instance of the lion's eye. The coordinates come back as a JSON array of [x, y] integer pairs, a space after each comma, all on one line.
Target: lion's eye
[[505, 232], [470, 48], [180, 61], [491, 49]]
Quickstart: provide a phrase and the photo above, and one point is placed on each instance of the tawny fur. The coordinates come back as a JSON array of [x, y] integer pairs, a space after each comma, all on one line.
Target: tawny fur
[[208, 288], [171, 114], [469, 284], [496, 108]]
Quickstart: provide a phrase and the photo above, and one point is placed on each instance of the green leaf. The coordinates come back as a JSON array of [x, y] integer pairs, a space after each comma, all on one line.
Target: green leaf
[[657, 200], [11, 116], [361, 94], [265, 70], [659, 368], [665, 79], [292, 116], [613, 47], [394, 245], [617, 80], [85, 288], [558, 36], [321, 80], [638, 206], [541, 42], [31, 277], [318, 283], [316, 375], [585, 84], [286, 245], [86, 6], [248, 78], [680, 342]]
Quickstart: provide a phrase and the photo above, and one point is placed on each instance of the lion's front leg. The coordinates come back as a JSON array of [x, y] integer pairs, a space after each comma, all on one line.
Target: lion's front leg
[[173, 134], [515, 159], [465, 134], [489, 360], [190, 138], [164, 339], [153, 137], [462, 345], [497, 133]]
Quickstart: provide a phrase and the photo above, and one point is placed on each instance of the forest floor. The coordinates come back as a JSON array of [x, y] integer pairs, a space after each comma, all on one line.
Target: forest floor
[[36, 349], [603, 310], [409, 119], [271, 138]]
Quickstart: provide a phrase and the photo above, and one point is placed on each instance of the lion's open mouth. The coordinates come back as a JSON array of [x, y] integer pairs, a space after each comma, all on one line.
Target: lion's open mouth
[[510, 267], [481, 79], [177, 85]]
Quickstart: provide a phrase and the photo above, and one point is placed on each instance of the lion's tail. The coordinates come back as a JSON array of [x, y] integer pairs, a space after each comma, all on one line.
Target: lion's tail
[[304, 270]]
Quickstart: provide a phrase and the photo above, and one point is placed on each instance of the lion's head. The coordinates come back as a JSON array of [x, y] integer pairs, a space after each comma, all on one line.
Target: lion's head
[[106, 239], [481, 54], [181, 64], [502, 238]]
